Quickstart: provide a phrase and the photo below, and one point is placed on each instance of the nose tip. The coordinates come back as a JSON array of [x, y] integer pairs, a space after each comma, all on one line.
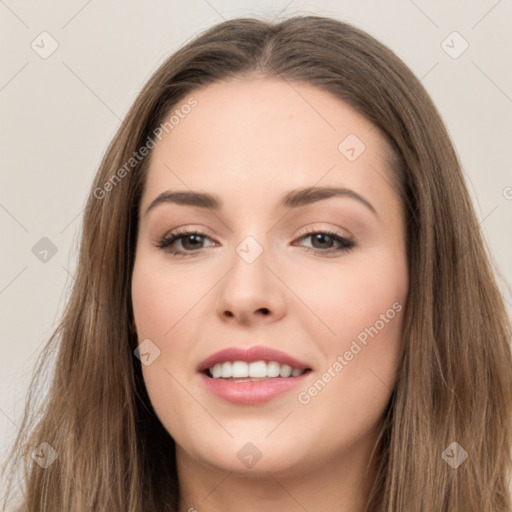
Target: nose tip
[[260, 311], [250, 291]]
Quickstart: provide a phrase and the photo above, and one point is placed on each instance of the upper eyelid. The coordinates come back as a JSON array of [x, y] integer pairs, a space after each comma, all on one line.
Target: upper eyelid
[[315, 227]]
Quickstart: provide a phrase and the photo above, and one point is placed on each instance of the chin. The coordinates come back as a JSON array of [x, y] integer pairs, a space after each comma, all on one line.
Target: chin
[[257, 456]]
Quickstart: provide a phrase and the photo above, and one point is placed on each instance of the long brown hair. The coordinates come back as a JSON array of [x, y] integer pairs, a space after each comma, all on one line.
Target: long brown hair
[[454, 382]]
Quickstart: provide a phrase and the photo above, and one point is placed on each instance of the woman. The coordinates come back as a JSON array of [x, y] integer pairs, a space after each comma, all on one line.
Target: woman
[[215, 354]]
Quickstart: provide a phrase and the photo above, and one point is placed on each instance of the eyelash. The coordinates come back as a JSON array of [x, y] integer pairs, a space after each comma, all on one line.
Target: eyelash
[[346, 244]]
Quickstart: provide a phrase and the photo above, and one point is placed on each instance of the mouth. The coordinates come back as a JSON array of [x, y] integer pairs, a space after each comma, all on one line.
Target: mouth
[[243, 371], [251, 376]]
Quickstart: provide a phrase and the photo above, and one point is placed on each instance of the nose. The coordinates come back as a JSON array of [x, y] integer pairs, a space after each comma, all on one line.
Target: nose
[[251, 292]]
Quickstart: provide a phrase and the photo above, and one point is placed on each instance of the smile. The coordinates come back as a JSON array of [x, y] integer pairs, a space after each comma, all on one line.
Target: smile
[[250, 376], [256, 370]]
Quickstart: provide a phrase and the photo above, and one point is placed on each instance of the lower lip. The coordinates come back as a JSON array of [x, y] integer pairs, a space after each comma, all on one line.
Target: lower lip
[[250, 393]]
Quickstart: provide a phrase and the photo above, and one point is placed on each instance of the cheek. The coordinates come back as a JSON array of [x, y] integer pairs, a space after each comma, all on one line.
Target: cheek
[[160, 301], [168, 308], [161, 297], [363, 306], [353, 296]]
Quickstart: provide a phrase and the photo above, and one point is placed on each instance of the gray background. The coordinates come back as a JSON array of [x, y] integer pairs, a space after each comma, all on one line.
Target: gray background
[[59, 113]]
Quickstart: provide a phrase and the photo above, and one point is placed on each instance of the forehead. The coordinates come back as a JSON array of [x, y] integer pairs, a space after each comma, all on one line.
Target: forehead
[[253, 139]]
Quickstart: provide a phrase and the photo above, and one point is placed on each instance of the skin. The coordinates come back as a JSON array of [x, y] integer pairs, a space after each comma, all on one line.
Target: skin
[[250, 141]]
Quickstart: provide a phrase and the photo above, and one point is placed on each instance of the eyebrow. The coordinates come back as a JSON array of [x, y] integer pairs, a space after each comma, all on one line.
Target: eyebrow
[[292, 199]]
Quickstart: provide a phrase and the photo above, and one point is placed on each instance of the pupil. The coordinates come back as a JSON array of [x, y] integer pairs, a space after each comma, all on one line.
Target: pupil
[[189, 237], [319, 236]]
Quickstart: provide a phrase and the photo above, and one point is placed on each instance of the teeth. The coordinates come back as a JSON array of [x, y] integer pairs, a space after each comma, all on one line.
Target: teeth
[[285, 371], [239, 369], [256, 370], [226, 370], [217, 371], [273, 369]]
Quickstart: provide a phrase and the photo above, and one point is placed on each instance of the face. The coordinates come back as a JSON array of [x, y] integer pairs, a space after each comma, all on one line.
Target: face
[[312, 280]]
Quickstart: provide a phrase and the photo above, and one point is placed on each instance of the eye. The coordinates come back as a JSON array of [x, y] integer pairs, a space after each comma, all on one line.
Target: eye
[[322, 238], [190, 242]]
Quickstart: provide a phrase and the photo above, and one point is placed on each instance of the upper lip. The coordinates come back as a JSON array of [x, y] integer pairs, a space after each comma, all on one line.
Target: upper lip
[[256, 353]]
